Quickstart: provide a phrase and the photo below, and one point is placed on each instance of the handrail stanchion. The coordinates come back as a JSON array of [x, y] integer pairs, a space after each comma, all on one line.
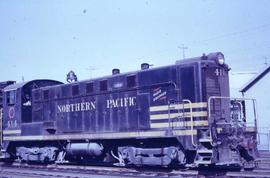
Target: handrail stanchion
[[169, 114], [191, 120]]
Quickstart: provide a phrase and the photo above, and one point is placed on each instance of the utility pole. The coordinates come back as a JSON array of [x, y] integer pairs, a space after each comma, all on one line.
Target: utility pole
[[266, 61], [183, 47], [90, 69]]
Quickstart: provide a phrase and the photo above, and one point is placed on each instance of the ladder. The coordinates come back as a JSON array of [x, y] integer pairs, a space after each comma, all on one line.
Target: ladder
[[205, 150]]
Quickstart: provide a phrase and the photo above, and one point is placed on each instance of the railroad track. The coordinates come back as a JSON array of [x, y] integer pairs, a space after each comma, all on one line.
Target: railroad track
[[19, 170], [73, 171]]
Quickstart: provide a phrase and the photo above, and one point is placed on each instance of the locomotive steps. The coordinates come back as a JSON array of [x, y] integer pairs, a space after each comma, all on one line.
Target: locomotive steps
[[264, 159]]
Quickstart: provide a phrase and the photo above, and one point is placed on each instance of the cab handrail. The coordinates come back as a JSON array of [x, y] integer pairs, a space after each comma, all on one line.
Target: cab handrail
[[191, 120]]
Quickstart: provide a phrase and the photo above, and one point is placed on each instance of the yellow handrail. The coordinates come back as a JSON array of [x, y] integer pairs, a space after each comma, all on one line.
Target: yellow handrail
[[192, 122]]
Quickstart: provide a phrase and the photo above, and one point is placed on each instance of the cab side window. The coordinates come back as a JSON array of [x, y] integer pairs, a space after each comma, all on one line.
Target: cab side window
[[11, 97], [131, 81], [103, 85], [90, 87]]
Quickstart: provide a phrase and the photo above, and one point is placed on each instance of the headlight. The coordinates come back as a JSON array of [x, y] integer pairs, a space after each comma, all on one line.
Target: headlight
[[220, 59]]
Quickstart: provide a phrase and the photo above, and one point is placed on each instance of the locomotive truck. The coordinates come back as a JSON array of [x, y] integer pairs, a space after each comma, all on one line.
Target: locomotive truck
[[178, 114]]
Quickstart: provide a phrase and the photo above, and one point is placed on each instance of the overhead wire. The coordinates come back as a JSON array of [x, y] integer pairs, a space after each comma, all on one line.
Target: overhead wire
[[235, 33]]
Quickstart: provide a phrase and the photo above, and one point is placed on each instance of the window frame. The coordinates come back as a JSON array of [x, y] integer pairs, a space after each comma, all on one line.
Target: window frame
[[89, 87], [13, 96], [133, 82], [45, 94], [75, 90], [103, 85]]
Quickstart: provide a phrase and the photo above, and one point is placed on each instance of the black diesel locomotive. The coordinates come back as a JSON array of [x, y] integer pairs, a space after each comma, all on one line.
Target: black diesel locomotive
[[172, 115]]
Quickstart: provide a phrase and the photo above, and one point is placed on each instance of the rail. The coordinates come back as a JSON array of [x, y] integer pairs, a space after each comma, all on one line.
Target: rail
[[74, 171]]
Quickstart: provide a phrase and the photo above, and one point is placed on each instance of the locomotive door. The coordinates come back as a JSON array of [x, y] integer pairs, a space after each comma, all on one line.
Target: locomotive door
[[143, 111], [187, 93], [26, 108]]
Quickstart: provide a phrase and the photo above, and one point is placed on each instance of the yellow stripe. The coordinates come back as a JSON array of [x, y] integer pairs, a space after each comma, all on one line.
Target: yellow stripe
[[174, 115], [250, 129], [112, 135], [178, 106], [185, 132], [11, 132], [179, 124]]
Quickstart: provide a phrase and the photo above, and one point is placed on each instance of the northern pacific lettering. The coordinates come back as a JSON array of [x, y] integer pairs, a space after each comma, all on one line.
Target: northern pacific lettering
[[90, 106], [75, 107]]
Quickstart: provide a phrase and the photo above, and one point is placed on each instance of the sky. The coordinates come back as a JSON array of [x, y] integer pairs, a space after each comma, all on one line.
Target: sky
[[46, 39]]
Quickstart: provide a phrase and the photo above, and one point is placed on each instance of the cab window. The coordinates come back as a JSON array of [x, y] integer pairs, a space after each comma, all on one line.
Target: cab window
[[103, 85], [11, 97], [131, 81], [90, 87]]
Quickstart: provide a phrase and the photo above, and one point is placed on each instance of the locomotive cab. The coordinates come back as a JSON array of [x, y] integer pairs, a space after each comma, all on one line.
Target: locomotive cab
[[2, 86], [17, 109]]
